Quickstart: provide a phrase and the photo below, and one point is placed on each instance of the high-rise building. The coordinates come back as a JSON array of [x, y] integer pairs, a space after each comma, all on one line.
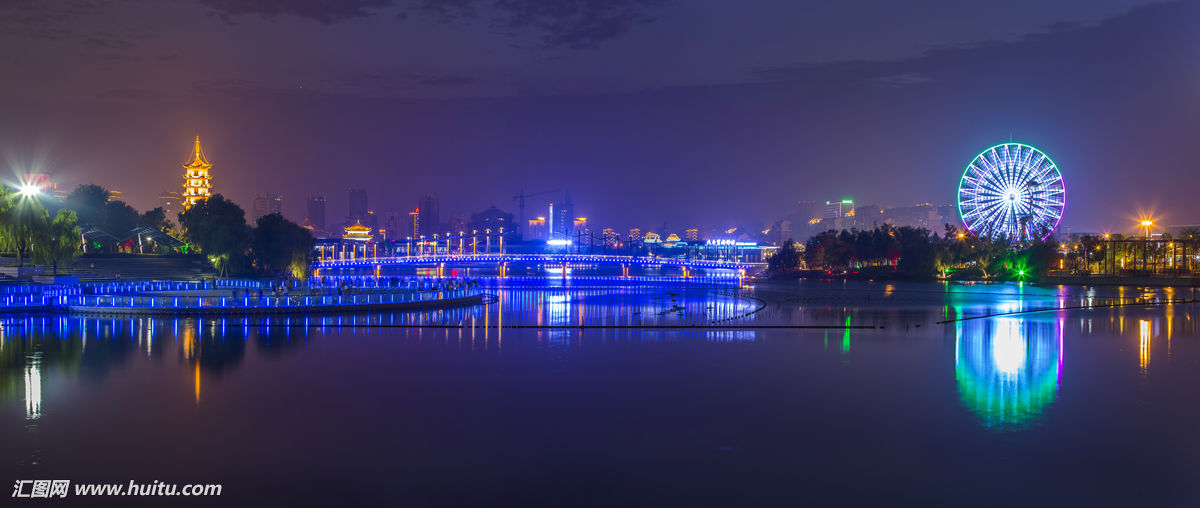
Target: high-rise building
[[562, 219], [171, 203], [396, 225], [838, 209], [579, 227], [458, 222], [415, 215], [610, 237], [635, 235], [692, 235], [357, 210], [316, 211], [429, 209], [492, 218], [267, 203], [197, 184], [536, 229]]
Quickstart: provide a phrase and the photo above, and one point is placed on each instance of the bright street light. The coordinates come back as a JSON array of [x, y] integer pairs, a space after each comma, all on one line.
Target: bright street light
[[29, 190]]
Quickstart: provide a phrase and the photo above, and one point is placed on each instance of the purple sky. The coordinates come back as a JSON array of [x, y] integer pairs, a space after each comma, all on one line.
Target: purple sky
[[692, 112]]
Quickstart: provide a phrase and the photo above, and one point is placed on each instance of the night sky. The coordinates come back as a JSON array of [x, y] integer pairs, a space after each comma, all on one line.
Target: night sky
[[684, 112]]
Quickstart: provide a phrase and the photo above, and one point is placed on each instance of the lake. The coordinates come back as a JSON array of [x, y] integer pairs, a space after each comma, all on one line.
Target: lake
[[810, 392]]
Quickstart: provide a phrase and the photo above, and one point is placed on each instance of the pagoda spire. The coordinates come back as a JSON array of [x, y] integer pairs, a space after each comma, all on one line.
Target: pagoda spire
[[197, 157]]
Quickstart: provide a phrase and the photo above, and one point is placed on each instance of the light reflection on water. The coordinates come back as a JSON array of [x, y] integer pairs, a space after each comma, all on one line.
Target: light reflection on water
[[1015, 374], [1008, 369]]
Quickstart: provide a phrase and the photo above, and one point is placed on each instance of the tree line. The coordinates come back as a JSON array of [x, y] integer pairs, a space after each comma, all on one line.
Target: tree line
[[51, 232], [915, 253]]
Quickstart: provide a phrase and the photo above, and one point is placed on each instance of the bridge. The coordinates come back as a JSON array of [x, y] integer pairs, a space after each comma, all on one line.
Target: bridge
[[501, 262]]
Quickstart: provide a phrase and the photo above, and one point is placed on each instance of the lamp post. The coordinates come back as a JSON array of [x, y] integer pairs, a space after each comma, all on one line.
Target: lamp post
[[1146, 223], [487, 241], [474, 242]]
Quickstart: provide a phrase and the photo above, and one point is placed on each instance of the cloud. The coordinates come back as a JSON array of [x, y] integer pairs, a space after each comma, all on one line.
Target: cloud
[[903, 79], [445, 11], [576, 24], [322, 11], [571, 24], [446, 80]]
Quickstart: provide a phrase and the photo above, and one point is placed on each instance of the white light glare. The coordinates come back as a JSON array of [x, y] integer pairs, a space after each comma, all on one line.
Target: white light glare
[[29, 190]]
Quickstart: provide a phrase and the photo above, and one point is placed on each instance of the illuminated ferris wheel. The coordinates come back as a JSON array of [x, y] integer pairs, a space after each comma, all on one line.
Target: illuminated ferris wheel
[[1012, 190]]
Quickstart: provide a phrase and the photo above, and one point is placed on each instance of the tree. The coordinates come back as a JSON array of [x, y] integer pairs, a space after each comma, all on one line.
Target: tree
[[120, 218], [57, 241], [156, 219], [280, 246], [89, 202], [218, 228], [787, 259], [23, 217]]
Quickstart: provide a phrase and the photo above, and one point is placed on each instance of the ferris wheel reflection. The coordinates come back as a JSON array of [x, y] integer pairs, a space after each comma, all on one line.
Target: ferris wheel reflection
[[1008, 369]]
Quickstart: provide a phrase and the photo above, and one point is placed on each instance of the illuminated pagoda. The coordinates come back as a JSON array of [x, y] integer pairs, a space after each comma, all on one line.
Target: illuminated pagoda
[[197, 183], [358, 233], [359, 238]]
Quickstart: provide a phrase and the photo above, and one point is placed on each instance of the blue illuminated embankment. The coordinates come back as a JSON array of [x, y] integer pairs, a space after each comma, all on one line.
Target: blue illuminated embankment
[[171, 304]]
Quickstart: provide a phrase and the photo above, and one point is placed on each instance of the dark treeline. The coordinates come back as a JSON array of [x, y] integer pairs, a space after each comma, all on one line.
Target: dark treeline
[[52, 232], [914, 253]]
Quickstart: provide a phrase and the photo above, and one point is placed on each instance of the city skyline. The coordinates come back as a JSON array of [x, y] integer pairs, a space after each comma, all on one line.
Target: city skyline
[[877, 125]]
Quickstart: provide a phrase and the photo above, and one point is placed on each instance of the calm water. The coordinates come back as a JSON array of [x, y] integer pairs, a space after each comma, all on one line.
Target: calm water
[[513, 403]]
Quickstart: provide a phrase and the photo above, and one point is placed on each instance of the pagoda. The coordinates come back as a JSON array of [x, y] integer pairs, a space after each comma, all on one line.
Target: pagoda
[[196, 181], [358, 233]]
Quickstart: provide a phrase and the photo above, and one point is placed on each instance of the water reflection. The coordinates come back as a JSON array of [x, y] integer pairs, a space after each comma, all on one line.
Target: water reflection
[[1008, 369]]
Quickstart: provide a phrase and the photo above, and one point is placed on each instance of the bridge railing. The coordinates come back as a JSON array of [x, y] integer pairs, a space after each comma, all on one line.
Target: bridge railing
[[256, 302], [552, 258]]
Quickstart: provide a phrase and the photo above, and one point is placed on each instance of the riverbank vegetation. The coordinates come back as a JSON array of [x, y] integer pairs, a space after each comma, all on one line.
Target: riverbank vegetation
[[48, 231], [912, 254]]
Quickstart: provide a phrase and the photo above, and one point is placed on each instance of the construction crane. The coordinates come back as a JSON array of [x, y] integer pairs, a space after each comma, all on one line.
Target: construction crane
[[520, 199]]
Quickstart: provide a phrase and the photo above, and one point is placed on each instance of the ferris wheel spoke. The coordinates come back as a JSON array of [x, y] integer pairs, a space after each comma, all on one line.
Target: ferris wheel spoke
[[1014, 190]]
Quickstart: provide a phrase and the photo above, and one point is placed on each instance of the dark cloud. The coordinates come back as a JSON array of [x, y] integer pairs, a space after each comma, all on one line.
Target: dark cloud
[[107, 41], [321, 11], [905, 79], [445, 11], [576, 24], [572, 24], [446, 80]]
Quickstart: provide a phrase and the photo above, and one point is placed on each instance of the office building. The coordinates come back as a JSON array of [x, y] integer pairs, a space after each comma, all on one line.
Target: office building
[[610, 237], [430, 219], [562, 219], [266, 203], [536, 229], [357, 210], [316, 211], [492, 218], [172, 203]]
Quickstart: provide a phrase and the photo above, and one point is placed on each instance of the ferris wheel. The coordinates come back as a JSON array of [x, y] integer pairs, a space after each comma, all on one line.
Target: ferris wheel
[[1012, 190]]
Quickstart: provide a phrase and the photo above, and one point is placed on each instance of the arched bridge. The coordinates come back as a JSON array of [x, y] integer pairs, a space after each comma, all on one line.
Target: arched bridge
[[624, 262]]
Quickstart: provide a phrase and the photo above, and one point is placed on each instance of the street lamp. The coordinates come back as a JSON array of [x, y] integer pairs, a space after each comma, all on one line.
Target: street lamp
[[1146, 223], [29, 190]]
